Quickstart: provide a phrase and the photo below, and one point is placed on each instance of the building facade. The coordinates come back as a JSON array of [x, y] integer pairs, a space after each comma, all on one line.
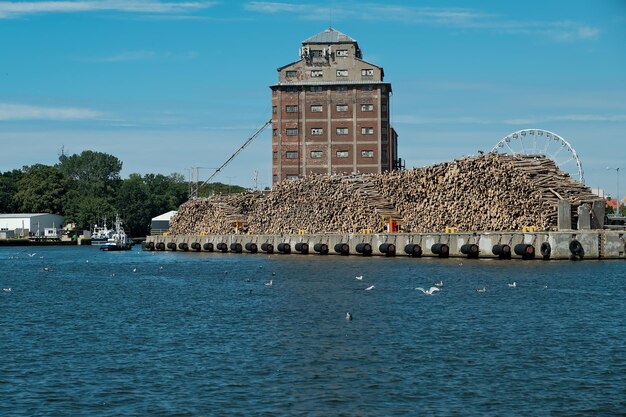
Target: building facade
[[330, 112]]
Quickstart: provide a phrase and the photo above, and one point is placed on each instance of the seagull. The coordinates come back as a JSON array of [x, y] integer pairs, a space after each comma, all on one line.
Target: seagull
[[513, 285], [269, 283], [360, 277], [9, 290], [87, 261], [439, 284], [483, 289], [160, 268], [348, 316], [134, 269], [47, 269], [371, 287], [32, 254], [430, 291]]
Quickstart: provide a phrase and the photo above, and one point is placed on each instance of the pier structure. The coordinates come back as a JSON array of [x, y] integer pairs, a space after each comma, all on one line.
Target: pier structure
[[572, 245]]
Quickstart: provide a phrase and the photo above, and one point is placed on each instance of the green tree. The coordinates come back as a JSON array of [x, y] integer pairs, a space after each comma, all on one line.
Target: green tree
[[134, 205], [8, 190], [92, 173], [41, 189]]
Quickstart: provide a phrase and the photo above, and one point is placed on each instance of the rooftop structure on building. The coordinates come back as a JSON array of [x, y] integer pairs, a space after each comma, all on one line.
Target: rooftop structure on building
[[330, 112]]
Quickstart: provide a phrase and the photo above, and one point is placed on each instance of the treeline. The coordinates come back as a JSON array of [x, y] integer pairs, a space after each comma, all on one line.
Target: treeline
[[87, 188]]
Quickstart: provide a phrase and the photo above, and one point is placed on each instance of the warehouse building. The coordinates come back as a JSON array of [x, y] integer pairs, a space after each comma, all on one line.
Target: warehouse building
[[330, 112], [30, 224], [160, 224]]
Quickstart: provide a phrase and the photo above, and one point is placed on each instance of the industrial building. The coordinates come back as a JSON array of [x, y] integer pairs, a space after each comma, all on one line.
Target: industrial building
[[31, 224], [161, 223], [330, 112]]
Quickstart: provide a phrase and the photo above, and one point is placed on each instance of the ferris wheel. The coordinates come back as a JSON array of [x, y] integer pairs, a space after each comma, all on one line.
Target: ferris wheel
[[543, 143]]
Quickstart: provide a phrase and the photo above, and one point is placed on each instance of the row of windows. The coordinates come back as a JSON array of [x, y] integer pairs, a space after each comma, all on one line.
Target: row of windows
[[317, 108], [368, 72], [366, 153], [319, 88], [293, 131]]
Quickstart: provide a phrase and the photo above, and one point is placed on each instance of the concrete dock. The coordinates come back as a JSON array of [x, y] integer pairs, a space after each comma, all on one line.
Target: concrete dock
[[574, 245]]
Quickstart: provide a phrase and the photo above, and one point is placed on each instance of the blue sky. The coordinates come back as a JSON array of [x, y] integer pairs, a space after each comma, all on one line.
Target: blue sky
[[166, 85]]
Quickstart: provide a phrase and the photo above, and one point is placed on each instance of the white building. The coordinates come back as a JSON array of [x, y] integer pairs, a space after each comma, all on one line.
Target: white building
[[34, 224], [160, 224]]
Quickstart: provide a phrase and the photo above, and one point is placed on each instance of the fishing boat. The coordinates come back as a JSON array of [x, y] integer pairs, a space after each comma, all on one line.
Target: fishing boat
[[101, 234], [118, 240]]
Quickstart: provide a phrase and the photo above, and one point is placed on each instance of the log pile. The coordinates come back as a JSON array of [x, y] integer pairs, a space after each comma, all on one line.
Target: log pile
[[491, 192]]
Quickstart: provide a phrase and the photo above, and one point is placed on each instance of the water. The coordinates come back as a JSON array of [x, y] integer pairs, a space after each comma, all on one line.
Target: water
[[182, 334]]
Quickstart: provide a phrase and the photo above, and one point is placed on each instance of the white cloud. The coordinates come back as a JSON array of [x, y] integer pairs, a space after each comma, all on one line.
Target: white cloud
[[14, 9], [10, 112], [460, 18]]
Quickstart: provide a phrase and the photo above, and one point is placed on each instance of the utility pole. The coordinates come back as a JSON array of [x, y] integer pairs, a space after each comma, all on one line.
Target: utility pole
[[617, 211]]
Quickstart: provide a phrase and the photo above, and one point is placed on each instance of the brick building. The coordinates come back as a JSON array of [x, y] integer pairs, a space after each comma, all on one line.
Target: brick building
[[330, 112]]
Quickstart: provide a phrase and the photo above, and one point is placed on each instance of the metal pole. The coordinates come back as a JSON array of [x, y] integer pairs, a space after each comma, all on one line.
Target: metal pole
[[618, 212]]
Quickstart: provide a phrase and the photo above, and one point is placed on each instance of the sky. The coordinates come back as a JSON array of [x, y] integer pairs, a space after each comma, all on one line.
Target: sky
[[166, 86]]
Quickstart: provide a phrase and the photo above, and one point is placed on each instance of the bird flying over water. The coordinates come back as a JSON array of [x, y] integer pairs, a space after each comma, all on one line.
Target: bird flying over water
[[430, 291], [513, 285], [483, 289], [439, 284], [32, 254], [269, 283], [371, 287], [360, 277], [9, 290], [348, 316]]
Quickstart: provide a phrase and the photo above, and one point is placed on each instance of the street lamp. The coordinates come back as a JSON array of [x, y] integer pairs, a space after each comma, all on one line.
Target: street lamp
[[617, 212]]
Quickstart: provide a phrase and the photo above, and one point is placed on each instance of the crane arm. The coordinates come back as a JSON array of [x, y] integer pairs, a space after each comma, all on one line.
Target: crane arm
[[246, 143]]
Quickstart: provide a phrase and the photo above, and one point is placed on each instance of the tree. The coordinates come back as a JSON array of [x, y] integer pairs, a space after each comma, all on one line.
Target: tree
[[41, 189], [92, 173], [8, 189]]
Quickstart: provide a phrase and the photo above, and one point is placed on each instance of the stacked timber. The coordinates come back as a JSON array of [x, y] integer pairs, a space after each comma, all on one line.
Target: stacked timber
[[491, 192]]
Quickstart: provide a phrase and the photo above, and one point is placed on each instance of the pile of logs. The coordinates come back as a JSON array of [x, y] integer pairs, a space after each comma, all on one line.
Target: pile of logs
[[491, 192]]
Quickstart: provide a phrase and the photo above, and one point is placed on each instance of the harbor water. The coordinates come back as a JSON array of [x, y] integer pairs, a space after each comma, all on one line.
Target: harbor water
[[89, 333]]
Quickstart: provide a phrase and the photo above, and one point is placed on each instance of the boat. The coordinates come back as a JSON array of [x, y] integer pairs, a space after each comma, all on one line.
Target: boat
[[101, 234], [118, 240]]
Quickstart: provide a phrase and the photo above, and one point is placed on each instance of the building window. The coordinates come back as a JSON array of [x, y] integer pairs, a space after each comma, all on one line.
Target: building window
[[292, 109], [368, 87], [274, 109], [342, 107], [316, 89], [341, 88], [342, 52], [317, 53], [384, 130], [317, 131], [291, 131], [275, 155], [275, 132], [291, 74], [383, 107], [342, 73], [368, 72], [292, 177], [342, 130], [291, 89], [367, 107], [367, 154], [316, 154], [342, 154], [291, 154], [317, 108], [367, 130], [317, 73]]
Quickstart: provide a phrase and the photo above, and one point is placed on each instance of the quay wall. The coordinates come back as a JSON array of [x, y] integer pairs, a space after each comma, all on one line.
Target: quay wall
[[575, 244]]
